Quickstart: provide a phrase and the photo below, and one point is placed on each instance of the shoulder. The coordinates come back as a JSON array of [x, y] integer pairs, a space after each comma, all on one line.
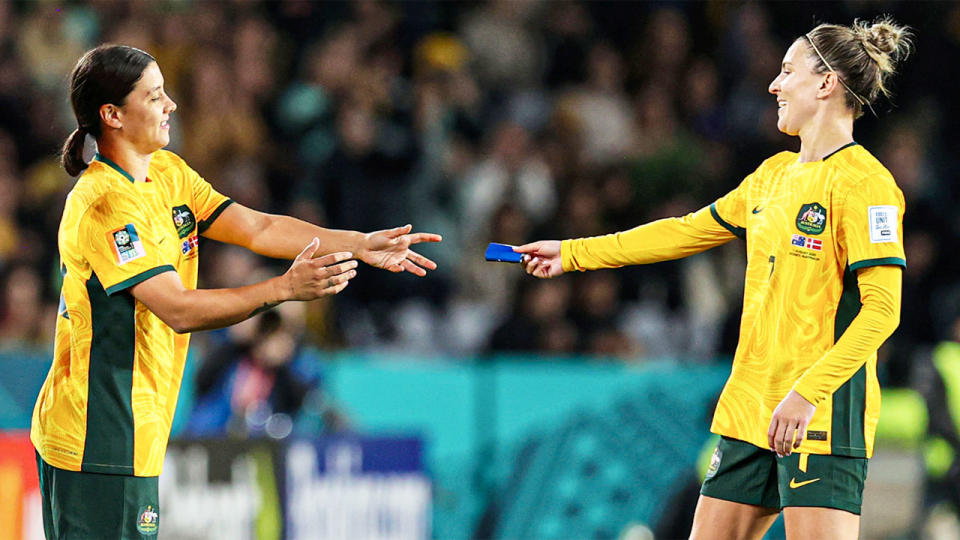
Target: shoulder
[[859, 170], [166, 161], [776, 161], [96, 183]]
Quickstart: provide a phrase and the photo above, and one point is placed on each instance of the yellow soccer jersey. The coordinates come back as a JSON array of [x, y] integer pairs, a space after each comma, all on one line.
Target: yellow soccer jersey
[[108, 401], [808, 227]]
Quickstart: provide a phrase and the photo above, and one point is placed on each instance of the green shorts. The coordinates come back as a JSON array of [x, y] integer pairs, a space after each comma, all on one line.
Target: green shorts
[[743, 473], [83, 505]]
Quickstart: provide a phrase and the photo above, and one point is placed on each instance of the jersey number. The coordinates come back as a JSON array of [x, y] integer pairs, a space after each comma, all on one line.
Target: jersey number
[[773, 262]]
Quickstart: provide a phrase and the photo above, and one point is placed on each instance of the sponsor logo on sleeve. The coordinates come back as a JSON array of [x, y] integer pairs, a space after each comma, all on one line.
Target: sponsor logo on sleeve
[[126, 244], [812, 218], [883, 224]]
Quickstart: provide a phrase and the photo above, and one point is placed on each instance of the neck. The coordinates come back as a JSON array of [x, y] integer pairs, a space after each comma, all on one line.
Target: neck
[[826, 132], [126, 156]]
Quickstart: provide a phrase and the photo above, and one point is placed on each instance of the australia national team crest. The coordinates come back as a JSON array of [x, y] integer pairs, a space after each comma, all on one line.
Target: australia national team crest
[[183, 220], [148, 520], [812, 218], [126, 244], [186, 225]]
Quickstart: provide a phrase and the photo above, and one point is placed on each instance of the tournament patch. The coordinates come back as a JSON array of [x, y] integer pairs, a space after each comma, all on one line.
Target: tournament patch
[[883, 224], [184, 220], [148, 520], [812, 218], [126, 244]]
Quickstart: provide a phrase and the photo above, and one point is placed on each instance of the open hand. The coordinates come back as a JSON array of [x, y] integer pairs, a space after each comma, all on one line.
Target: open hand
[[790, 418], [309, 278], [390, 249], [541, 259]]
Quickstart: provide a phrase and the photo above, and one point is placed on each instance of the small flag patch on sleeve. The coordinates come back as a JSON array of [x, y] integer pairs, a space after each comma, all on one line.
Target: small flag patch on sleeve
[[126, 244]]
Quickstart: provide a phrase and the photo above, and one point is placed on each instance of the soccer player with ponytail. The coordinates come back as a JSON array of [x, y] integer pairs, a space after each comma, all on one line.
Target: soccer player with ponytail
[[824, 235], [128, 243]]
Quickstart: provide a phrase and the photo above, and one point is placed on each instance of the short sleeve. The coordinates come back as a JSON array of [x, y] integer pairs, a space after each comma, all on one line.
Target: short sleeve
[[208, 203], [871, 224], [118, 241]]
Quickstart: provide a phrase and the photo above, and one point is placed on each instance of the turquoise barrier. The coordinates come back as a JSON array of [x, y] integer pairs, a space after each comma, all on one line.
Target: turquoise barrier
[[527, 447]]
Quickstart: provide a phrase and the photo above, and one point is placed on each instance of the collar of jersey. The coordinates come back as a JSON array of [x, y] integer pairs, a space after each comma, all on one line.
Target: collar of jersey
[[848, 145], [116, 167]]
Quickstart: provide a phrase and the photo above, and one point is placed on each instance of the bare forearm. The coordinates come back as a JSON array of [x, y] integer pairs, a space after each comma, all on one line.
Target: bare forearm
[[208, 309], [283, 237]]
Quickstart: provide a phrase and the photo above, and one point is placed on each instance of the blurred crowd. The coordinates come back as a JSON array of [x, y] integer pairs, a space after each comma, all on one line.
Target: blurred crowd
[[503, 121]]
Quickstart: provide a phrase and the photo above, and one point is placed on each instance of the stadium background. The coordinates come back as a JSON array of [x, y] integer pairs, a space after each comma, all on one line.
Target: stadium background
[[482, 403]]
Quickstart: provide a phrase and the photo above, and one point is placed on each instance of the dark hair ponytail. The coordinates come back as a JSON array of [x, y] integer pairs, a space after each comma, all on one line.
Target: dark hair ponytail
[[71, 158], [103, 75]]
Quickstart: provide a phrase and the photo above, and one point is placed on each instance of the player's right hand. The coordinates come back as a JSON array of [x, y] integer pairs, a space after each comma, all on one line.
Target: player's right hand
[[309, 278], [541, 259]]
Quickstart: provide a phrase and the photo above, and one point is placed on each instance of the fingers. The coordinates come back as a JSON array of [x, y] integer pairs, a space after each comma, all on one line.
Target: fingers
[[801, 434], [420, 260], [412, 268], [310, 250], [333, 258], [532, 247], [772, 433], [399, 231], [425, 237]]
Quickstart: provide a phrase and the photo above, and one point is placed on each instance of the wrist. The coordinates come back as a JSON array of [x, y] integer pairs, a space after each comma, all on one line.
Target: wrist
[[281, 289]]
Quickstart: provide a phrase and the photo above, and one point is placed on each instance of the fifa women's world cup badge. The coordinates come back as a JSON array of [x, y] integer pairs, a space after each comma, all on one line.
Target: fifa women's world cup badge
[[812, 218], [148, 519]]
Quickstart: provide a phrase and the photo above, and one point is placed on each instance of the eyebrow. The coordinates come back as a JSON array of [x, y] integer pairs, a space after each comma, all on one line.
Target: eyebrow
[[785, 64], [154, 89]]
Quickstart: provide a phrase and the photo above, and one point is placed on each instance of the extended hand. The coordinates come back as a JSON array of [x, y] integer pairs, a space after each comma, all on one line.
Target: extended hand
[[791, 417], [541, 259], [390, 249], [309, 278]]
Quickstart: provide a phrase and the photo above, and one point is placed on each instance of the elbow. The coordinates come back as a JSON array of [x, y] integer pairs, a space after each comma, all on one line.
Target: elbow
[[181, 322]]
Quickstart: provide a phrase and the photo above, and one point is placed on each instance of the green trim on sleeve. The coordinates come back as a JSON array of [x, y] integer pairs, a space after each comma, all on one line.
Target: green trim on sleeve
[[739, 232], [205, 224], [116, 167], [895, 261], [142, 276]]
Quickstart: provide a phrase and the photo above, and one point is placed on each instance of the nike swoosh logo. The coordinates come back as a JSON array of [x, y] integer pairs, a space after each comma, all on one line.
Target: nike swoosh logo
[[757, 209], [794, 484]]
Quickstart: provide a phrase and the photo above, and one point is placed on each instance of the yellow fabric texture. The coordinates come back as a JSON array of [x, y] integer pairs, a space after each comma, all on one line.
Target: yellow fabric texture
[[105, 207], [811, 230]]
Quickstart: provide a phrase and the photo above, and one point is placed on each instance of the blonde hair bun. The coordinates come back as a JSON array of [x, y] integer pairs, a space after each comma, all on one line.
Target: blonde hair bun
[[885, 41]]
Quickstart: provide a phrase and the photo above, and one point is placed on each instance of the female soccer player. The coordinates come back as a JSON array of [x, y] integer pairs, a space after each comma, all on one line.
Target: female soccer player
[[128, 244], [824, 260]]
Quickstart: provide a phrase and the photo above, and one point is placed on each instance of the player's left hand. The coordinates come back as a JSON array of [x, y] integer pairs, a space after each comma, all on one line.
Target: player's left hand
[[390, 249], [790, 418]]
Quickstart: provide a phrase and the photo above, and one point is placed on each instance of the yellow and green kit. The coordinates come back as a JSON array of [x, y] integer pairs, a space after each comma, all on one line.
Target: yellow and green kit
[[809, 228], [108, 401]]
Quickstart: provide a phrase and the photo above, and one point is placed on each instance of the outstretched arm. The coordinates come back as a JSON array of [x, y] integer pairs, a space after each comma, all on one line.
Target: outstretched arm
[[661, 240], [282, 237], [187, 310]]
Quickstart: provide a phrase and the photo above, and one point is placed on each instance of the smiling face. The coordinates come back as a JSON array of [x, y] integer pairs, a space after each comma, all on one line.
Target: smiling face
[[144, 117], [797, 88]]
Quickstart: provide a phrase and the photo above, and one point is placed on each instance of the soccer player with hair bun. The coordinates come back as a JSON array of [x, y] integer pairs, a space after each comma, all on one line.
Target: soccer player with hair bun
[[128, 243], [824, 235]]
